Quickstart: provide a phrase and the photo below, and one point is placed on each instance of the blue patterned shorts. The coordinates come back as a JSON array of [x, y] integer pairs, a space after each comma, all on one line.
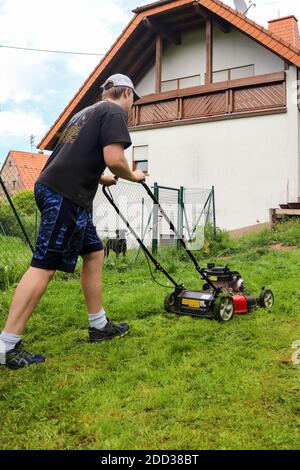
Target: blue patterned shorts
[[66, 232]]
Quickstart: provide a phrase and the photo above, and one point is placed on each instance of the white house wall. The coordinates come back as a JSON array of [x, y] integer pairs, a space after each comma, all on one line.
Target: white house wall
[[236, 49], [230, 50], [187, 59], [252, 162], [147, 85]]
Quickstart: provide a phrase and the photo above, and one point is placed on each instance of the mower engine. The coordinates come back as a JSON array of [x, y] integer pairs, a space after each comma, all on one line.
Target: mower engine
[[232, 282], [223, 277]]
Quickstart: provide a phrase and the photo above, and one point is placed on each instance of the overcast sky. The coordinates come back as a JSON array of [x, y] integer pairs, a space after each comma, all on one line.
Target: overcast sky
[[35, 87]]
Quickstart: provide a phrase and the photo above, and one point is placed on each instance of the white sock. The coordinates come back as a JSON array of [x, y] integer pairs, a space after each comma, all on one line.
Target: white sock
[[98, 320], [7, 343]]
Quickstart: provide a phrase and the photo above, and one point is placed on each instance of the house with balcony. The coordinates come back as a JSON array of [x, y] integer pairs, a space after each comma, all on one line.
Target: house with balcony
[[219, 104]]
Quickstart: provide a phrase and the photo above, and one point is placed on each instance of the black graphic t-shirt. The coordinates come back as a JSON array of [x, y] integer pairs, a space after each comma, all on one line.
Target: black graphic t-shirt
[[77, 162]]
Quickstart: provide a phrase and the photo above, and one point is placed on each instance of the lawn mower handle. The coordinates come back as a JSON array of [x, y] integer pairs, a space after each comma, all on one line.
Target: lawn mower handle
[[182, 242]]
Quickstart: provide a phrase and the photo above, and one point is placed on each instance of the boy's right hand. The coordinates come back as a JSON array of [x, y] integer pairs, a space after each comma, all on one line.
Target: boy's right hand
[[139, 176]]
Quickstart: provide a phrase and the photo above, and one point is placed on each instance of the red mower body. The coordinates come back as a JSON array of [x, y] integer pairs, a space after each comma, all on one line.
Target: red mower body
[[232, 282], [240, 303]]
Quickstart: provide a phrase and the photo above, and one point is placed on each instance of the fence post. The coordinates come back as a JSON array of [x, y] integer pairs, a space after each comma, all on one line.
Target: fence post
[[155, 221], [214, 211], [180, 213], [142, 224]]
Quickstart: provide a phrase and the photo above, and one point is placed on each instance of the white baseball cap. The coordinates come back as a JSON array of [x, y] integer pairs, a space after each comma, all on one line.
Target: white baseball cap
[[121, 80]]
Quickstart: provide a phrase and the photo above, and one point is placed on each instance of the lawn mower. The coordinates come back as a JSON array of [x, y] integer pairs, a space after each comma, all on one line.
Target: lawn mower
[[223, 294]]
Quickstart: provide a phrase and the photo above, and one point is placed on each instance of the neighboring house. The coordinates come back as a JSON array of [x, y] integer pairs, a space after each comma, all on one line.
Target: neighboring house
[[219, 104], [20, 170]]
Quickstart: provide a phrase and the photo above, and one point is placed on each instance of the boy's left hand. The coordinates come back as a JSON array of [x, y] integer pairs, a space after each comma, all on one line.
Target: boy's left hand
[[108, 180]]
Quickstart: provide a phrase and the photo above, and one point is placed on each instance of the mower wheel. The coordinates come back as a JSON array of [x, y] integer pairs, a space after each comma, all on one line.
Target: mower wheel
[[266, 298], [224, 308], [170, 302]]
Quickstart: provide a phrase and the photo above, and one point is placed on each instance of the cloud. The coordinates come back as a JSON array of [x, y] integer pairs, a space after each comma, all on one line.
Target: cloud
[[21, 124], [20, 75], [82, 65], [270, 9], [67, 25]]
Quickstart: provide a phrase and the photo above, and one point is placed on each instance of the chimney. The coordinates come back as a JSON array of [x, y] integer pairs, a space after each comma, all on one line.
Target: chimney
[[287, 29]]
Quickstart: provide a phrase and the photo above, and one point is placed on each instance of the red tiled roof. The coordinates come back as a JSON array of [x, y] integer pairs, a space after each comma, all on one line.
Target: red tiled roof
[[29, 166], [286, 50]]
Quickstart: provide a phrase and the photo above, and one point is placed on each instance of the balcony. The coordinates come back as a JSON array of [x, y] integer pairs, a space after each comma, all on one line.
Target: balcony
[[263, 94]]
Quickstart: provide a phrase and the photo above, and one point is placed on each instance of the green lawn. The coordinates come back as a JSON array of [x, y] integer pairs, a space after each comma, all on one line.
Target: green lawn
[[174, 382]]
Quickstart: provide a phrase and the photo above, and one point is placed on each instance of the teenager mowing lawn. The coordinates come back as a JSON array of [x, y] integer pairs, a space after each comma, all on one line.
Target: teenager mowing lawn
[[95, 138]]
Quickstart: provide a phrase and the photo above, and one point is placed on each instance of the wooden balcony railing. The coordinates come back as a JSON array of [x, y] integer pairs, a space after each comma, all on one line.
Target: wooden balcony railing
[[260, 94]]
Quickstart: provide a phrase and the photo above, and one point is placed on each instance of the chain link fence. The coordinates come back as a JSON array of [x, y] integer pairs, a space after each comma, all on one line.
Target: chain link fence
[[19, 222], [190, 210]]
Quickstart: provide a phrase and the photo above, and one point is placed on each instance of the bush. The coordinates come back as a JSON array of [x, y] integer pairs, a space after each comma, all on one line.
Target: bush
[[25, 205], [8, 222]]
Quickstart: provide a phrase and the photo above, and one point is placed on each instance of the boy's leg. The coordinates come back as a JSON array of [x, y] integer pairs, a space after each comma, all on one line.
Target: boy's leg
[[91, 280], [101, 328], [28, 294]]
